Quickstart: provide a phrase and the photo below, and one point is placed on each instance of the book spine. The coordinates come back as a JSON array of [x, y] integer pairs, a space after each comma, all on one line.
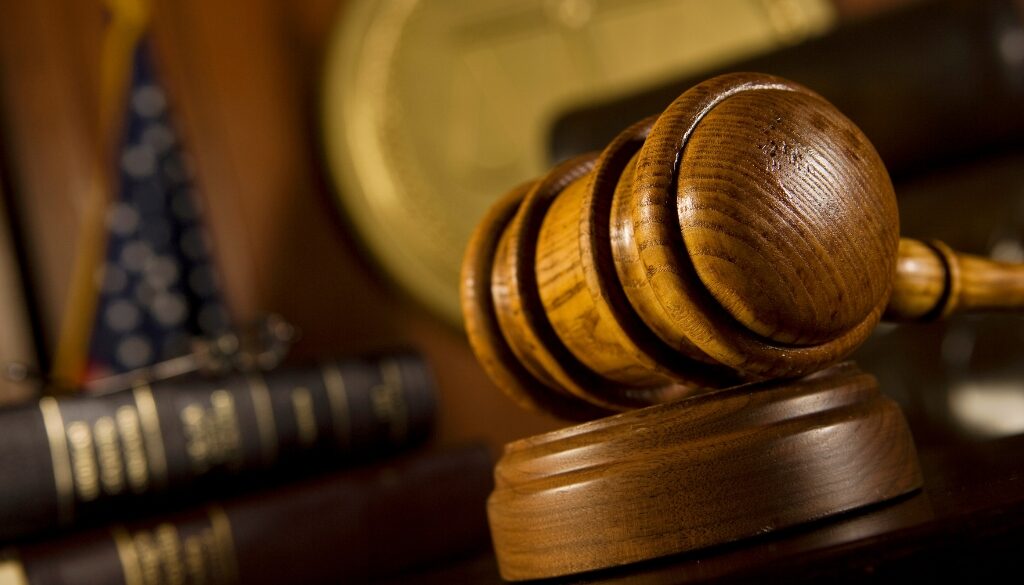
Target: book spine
[[85, 457], [347, 527]]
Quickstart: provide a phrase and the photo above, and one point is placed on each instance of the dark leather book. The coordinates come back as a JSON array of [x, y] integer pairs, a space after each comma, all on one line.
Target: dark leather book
[[346, 527], [933, 83], [84, 459]]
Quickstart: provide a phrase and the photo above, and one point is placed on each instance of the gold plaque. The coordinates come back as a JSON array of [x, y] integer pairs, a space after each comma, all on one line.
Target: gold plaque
[[433, 108]]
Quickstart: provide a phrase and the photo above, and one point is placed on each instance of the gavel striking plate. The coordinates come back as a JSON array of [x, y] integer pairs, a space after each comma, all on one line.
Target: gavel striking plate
[[702, 276]]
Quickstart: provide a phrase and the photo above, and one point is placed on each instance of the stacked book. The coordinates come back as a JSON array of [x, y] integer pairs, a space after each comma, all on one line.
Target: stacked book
[[294, 475]]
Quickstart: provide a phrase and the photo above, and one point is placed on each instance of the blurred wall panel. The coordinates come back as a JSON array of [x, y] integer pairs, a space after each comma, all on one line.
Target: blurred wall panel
[[49, 57], [16, 339]]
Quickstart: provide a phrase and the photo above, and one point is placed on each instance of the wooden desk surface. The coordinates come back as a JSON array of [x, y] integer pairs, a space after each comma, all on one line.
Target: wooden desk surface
[[967, 524]]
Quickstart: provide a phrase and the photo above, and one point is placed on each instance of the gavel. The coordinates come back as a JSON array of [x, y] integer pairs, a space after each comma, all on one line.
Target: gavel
[[702, 276], [750, 232]]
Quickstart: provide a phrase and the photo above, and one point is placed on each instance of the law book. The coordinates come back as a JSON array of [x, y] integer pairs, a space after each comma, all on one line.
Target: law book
[[350, 526], [86, 458]]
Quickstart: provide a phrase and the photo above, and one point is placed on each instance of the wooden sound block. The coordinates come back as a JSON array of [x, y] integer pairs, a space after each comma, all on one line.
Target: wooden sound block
[[696, 473]]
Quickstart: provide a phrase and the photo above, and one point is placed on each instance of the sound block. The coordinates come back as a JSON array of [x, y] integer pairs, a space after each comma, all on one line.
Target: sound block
[[696, 473]]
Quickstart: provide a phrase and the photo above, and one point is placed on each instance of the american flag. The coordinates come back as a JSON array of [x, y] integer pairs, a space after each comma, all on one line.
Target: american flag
[[157, 287]]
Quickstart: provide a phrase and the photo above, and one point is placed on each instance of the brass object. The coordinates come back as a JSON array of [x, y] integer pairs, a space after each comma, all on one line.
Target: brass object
[[432, 108]]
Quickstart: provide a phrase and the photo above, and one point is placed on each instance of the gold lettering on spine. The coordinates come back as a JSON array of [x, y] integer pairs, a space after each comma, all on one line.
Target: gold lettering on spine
[[264, 417], [211, 434], [227, 439], [152, 438], [195, 559], [224, 549], [169, 549], [130, 566], [83, 461], [197, 445], [169, 555], [202, 558], [135, 464], [108, 451], [53, 422], [337, 397], [149, 556], [305, 417], [388, 400]]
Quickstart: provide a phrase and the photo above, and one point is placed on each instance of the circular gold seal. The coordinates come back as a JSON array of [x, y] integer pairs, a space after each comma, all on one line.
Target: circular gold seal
[[432, 109]]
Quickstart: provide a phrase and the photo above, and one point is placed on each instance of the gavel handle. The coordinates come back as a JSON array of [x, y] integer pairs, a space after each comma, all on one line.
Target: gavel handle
[[933, 281]]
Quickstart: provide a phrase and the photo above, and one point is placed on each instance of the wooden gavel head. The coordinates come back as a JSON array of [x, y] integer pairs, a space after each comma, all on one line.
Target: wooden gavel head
[[749, 232]]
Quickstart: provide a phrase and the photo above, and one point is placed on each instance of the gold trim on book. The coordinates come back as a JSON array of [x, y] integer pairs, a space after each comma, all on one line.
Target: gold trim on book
[[129, 557], [62, 476], [152, 437], [225, 543], [264, 408], [305, 415], [389, 400], [337, 397], [12, 571]]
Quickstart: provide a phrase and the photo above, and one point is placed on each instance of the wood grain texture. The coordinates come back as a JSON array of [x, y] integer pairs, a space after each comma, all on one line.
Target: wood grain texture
[[933, 281], [484, 332], [786, 214], [579, 289], [920, 286], [691, 254], [750, 232], [753, 233], [517, 302], [698, 472], [679, 302]]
